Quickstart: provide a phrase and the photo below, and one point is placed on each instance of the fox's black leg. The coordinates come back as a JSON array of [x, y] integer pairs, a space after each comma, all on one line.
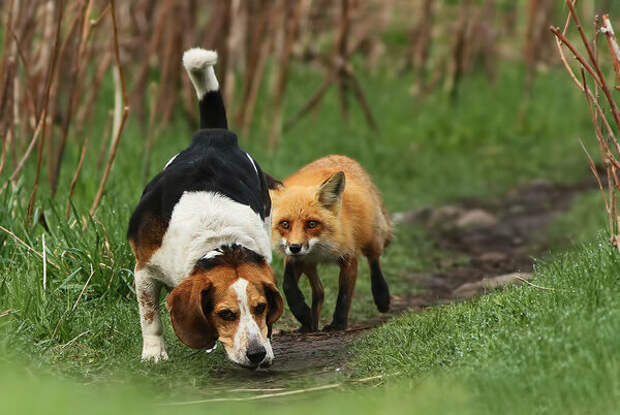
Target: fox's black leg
[[379, 286], [346, 286], [318, 294], [294, 297]]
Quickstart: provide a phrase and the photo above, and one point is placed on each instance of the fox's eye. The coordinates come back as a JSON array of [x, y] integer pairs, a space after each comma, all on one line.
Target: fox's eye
[[227, 315], [260, 309], [285, 224], [312, 224]]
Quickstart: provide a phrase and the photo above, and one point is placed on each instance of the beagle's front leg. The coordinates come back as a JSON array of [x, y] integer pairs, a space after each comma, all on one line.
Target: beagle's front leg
[[147, 291]]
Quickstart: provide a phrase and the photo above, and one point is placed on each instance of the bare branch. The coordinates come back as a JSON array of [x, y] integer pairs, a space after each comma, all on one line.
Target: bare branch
[[599, 72], [75, 177], [125, 110], [614, 50]]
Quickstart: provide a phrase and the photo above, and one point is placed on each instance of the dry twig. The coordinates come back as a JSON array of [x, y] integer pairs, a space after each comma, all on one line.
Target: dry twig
[[594, 61], [44, 251], [75, 177], [43, 121], [31, 249], [257, 397], [340, 72], [73, 340], [523, 280], [280, 85], [608, 30], [594, 70], [77, 301], [280, 394], [75, 304], [8, 312]]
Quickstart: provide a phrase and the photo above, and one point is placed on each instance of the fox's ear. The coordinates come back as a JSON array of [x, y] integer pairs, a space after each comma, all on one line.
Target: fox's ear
[[272, 183], [330, 191]]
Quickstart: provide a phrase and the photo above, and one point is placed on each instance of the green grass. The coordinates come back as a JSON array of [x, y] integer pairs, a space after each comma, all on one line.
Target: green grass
[[522, 350], [428, 152], [581, 223]]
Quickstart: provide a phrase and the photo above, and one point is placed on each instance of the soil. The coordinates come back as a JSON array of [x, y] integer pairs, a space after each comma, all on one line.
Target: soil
[[489, 238]]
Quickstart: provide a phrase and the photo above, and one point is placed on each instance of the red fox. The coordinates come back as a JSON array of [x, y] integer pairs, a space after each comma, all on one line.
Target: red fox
[[318, 218]]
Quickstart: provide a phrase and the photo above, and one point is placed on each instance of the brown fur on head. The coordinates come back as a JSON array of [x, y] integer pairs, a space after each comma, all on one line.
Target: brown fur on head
[[306, 217], [232, 297]]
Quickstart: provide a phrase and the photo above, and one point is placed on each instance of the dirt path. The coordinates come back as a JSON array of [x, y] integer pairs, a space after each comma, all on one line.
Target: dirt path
[[489, 239], [498, 237]]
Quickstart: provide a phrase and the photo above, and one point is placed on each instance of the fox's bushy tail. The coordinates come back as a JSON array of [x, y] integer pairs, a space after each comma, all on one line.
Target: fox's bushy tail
[[199, 65]]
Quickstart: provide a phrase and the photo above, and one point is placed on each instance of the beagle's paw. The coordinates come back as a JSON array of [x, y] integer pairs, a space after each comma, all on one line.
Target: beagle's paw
[[154, 350]]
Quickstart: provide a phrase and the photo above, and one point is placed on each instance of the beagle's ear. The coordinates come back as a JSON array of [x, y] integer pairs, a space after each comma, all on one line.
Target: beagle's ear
[[330, 191], [275, 305], [190, 304]]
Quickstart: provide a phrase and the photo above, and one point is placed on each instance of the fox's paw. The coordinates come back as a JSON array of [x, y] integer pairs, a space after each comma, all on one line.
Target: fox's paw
[[335, 326], [306, 329], [383, 303]]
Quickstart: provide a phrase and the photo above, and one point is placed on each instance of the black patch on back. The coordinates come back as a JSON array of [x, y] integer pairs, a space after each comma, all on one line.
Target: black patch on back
[[231, 255], [213, 162]]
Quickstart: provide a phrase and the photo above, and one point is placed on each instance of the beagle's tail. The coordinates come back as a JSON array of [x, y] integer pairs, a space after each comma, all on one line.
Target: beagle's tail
[[199, 65]]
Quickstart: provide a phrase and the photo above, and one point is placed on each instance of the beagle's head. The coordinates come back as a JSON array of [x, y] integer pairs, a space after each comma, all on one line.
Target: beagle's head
[[231, 296]]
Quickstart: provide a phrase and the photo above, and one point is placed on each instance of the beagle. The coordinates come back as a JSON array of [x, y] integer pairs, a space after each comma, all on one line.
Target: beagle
[[202, 229]]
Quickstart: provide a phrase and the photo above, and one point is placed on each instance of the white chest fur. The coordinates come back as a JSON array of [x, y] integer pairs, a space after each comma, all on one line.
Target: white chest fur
[[203, 221]]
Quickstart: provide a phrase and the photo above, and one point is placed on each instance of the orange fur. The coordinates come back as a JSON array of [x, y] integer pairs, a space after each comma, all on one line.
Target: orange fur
[[360, 225], [313, 213]]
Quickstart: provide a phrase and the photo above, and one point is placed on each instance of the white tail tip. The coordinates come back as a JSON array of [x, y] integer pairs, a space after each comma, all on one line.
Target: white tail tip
[[199, 63], [198, 58]]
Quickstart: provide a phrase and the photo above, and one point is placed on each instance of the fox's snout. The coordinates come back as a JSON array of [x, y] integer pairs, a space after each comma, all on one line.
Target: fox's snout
[[296, 248]]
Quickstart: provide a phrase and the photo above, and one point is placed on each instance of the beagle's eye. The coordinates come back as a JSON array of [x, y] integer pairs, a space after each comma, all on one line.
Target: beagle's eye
[[227, 315], [285, 224], [311, 224], [260, 309]]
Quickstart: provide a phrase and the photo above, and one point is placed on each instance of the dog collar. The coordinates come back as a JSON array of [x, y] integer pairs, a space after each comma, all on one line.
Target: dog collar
[[212, 349], [213, 253]]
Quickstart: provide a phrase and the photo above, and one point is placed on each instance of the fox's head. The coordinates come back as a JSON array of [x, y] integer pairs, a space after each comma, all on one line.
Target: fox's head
[[305, 218]]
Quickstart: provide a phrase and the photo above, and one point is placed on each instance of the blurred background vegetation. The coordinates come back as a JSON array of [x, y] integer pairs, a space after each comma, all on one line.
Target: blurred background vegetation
[[277, 60]]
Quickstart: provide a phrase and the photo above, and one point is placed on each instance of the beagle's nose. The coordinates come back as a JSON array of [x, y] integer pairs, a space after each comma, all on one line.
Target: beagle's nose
[[256, 354], [295, 248]]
